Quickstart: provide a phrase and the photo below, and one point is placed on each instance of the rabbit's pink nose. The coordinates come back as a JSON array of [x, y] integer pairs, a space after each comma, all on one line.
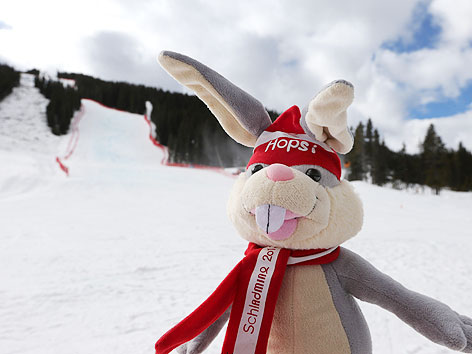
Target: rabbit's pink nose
[[278, 172]]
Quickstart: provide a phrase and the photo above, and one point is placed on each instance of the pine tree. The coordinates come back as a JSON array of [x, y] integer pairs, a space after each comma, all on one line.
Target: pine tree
[[379, 160], [9, 78], [400, 170], [369, 149], [462, 160], [433, 159], [356, 158]]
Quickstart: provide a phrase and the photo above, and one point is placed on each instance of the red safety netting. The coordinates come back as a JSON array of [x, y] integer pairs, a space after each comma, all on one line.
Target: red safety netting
[[75, 134]]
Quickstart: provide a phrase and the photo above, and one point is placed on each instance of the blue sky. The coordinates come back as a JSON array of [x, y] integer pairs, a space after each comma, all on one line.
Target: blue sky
[[425, 33], [444, 107]]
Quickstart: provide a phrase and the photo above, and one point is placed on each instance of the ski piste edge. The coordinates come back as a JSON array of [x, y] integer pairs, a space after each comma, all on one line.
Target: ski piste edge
[[75, 134]]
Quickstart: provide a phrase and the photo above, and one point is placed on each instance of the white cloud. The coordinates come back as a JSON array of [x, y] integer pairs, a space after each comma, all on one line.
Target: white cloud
[[454, 18], [428, 75], [281, 52], [120, 57], [452, 130]]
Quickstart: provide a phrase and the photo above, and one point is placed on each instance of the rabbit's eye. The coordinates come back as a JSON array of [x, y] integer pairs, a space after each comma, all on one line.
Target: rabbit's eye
[[314, 174], [256, 168]]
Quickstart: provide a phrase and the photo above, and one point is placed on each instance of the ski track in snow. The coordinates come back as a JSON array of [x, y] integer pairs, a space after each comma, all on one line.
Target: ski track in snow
[[107, 260], [27, 147]]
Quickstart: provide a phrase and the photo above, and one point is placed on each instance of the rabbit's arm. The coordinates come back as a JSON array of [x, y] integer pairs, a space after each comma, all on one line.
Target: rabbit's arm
[[203, 340], [429, 317]]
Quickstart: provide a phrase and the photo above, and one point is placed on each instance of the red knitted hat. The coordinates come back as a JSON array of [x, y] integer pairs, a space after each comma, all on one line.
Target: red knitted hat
[[285, 142]]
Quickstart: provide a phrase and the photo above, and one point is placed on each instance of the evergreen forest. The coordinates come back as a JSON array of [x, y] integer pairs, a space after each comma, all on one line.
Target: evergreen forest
[[185, 125], [63, 102], [434, 165], [9, 78]]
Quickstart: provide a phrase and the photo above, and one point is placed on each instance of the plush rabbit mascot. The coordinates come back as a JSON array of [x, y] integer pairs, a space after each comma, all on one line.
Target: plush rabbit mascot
[[294, 290]]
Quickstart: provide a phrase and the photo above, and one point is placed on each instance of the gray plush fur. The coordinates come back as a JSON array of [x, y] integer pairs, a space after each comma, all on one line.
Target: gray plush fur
[[304, 125], [352, 319], [327, 180], [429, 317], [350, 275], [203, 340], [249, 111]]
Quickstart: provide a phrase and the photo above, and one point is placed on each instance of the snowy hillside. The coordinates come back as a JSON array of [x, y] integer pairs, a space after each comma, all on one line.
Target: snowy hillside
[[26, 144], [107, 259]]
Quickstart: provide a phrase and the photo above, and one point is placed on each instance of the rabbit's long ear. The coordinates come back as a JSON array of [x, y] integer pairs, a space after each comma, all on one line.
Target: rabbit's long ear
[[242, 116], [326, 118]]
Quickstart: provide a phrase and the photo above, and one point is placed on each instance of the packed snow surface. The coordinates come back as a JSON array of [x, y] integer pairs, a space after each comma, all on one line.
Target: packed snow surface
[[107, 259]]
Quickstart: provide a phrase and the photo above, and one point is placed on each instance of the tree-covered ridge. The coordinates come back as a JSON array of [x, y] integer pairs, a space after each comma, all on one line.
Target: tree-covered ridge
[[183, 123], [63, 102], [186, 126], [434, 166], [9, 78]]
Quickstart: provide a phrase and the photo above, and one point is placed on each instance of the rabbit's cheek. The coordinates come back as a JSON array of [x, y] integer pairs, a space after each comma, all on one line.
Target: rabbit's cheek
[[276, 212], [321, 211], [297, 195]]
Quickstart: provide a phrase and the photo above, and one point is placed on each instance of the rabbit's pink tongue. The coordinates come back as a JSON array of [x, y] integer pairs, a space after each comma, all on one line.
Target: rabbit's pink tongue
[[277, 222]]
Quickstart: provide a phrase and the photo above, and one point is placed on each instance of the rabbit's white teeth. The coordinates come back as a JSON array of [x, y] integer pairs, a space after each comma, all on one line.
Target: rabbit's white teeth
[[277, 222], [270, 217]]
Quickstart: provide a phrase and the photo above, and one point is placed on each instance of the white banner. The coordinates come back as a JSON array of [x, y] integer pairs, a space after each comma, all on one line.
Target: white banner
[[256, 296]]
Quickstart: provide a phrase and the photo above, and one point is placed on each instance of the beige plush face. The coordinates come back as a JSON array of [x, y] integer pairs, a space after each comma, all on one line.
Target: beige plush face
[[313, 215]]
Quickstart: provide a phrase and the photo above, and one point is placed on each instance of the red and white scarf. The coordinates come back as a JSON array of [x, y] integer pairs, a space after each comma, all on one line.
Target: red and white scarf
[[252, 287]]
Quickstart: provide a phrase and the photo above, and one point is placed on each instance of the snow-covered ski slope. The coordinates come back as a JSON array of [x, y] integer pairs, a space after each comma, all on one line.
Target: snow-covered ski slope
[[107, 259]]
